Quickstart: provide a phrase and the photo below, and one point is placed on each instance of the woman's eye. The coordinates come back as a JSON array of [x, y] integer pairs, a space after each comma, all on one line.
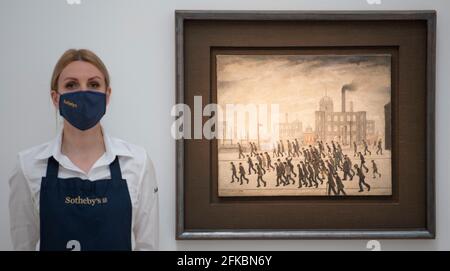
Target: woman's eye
[[71, 85], [94, 85]]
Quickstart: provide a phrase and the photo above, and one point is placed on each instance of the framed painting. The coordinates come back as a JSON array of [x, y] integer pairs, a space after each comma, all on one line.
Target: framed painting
[[305, 124]]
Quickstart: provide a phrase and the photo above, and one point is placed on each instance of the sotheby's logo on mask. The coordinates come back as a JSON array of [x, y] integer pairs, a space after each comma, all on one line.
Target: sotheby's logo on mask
[[83, 109]]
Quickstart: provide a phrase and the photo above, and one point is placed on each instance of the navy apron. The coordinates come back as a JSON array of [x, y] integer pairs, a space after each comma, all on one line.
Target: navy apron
[[78, 214]]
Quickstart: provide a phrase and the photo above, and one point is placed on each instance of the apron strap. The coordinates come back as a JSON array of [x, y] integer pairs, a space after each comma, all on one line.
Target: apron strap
[[114, 167], [52, 167]]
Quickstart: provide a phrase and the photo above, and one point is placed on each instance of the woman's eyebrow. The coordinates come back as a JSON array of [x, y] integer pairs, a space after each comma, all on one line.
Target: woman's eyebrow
[[70, 78], [73, 78], [94, 78]]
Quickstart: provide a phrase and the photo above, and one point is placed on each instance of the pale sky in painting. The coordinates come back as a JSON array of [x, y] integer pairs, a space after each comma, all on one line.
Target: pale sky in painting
[[298, 82]]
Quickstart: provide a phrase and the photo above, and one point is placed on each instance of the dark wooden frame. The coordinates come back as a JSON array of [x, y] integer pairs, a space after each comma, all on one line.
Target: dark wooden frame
[[428, 16]]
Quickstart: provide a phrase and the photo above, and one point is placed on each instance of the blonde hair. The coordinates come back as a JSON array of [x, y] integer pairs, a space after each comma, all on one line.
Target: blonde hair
[[72, 55]]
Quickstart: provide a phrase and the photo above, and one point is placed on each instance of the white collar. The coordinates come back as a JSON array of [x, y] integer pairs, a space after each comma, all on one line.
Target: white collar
[[113, 148]]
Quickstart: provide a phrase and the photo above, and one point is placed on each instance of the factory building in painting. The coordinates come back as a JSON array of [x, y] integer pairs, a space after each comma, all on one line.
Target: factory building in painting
[[346, 126]]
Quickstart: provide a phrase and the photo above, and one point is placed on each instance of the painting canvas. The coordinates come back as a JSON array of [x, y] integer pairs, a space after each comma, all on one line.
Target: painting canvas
[[304, 125]]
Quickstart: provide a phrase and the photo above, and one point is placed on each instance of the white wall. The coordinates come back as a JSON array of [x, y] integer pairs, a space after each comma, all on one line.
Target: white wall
[[135, 38]]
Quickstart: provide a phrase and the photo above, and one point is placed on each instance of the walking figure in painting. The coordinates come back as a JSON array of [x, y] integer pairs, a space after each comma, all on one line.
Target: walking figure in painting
[[288, 171], [289, 144], [241, 153], [301, 177], [279, 172], [375, 170], [259, 157], [331, 184], [242, 174], [279, 152], [339, 185], [233, 173], [251, 149], [250, 165], [347, 168], [289, 162], [255, 149], [379, 148], [363, 162], [366, 148], [260, 174], [362, 177], [269, 161]]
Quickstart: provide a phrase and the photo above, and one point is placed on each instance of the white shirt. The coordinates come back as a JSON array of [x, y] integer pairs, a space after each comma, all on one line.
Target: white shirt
[[137, 169]]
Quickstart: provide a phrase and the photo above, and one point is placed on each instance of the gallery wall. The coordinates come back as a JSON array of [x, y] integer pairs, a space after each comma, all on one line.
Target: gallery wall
[[135, 38]]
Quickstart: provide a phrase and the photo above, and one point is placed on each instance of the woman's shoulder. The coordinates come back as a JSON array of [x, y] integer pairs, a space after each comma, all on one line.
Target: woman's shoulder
[[31, 163], [34, 152], [126, 148], [133, 156], [34, 155], [135, 162]]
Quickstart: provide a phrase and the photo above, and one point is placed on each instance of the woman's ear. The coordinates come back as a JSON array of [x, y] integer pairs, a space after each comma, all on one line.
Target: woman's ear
[[108, 94], [55, 98]]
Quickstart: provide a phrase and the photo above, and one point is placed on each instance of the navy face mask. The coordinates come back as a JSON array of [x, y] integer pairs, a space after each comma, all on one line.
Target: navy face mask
[[83, 109]]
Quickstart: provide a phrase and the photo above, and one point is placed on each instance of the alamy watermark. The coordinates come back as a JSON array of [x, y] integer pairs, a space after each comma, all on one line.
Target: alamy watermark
[[73, 2], [374, 2], [228, 122]]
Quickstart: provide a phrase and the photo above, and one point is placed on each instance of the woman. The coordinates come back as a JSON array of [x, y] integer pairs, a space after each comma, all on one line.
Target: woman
[[84, 190]]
